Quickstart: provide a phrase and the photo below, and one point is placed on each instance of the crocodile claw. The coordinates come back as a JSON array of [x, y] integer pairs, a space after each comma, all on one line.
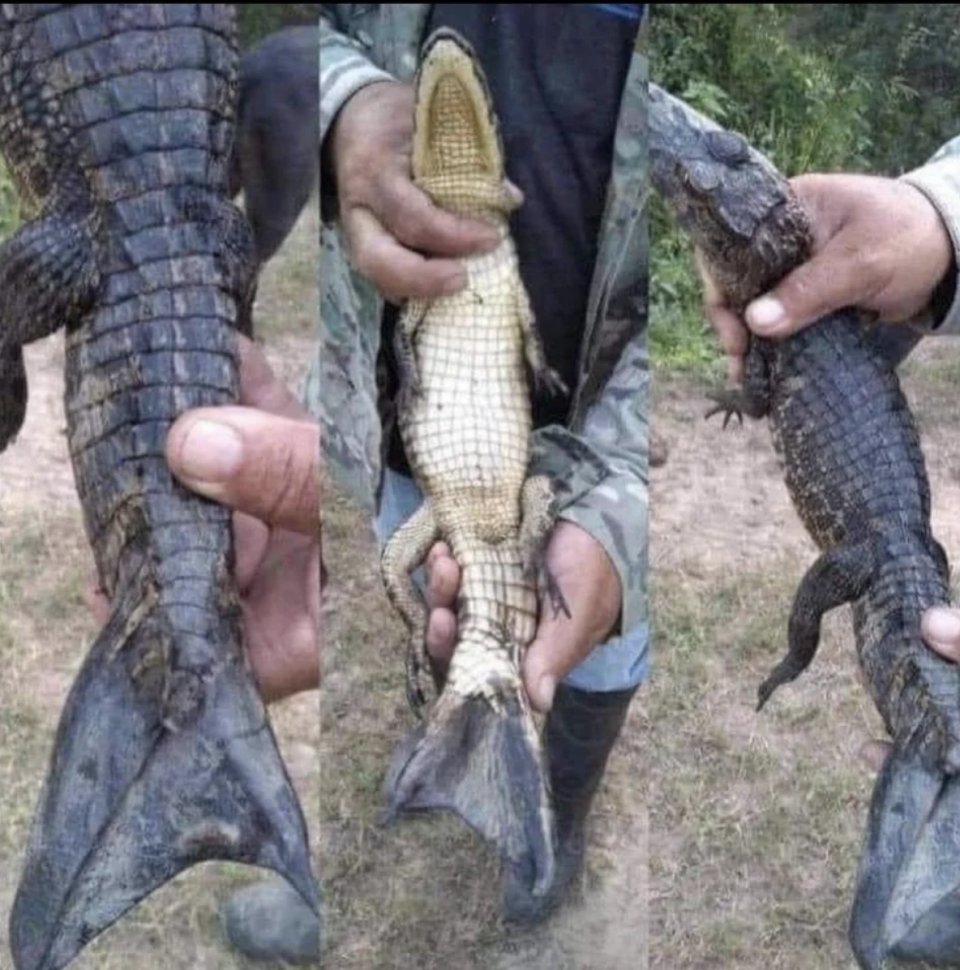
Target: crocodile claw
[[558, 602], [415, 695], [729, 403]]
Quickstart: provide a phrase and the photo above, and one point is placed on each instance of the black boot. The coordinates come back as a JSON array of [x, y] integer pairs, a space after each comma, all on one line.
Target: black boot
[[581, 729], [269, 921]]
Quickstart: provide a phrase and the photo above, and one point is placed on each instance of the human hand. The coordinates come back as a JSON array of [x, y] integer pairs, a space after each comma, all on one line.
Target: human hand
[[940, 629], [879, 245], [388, 222], [262, 459], [591, 588]]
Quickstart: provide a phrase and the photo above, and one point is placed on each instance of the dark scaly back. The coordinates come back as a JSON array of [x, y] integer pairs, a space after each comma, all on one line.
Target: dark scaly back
[[839, 420], [119, 120]]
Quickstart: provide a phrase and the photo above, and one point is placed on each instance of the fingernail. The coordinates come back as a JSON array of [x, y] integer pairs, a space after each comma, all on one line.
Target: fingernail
[[942, 625], [766, 313], [211, 452]]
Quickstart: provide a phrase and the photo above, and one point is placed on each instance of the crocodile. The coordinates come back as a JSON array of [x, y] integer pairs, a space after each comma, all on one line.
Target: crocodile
[[464, 415], [116, 122], [854, 468]]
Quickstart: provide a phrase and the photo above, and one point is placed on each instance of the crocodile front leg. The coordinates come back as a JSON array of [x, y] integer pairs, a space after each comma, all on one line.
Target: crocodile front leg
[[48, 279], [837, 577], [407, 549], [545, 378], [413, 315], [753, 399]]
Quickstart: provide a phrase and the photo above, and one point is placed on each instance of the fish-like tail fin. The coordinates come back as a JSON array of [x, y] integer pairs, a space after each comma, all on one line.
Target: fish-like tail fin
[[907, 903], [136, 792], [484, 763]]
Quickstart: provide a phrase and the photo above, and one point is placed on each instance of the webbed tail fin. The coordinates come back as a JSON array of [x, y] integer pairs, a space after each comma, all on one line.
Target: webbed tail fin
[[132, 799], [483, 762]]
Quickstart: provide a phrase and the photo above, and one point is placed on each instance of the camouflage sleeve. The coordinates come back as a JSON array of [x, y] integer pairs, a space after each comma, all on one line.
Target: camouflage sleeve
[[344, 70], [939, 180], [602, 475]]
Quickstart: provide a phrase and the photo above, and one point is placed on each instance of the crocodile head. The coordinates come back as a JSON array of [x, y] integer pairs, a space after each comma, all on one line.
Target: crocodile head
[[457, 152], [742, 216]]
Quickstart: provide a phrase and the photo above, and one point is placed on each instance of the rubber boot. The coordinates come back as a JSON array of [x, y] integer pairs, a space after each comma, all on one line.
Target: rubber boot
[[581, 729], [269, 921]]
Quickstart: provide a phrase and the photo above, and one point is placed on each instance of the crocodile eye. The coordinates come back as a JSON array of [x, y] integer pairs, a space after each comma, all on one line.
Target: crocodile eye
[[727, 147]]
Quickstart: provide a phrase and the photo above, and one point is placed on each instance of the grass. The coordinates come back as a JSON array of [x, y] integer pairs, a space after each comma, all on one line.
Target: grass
[[758, 817], [424, 893]]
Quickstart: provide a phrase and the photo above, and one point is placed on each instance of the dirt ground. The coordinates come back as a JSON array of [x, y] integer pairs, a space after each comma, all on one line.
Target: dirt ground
[[721, 838], [45, 631], [757, 819]]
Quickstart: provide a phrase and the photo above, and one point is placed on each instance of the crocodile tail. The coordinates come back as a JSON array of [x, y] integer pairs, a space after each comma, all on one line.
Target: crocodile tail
[[483, 762], [907, 905], [137, 793]]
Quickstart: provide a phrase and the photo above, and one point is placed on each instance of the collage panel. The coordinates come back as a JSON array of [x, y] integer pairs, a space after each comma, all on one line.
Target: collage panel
[[145, 786], [458, 381], [794, 556]]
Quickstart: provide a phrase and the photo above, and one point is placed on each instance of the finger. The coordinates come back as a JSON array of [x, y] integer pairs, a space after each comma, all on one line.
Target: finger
[[731, 333], [396, 272], [830, 281], [441, 636], [875, 753], [940, 629], [266, 466], [540, 674], [260, 388], [443, 582], [96, 601], [409, 215], [251, 538]]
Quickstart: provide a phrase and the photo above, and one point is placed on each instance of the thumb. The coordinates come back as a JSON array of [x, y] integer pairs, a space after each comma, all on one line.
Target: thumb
[[251, 461], [829, 281], [541, 674]]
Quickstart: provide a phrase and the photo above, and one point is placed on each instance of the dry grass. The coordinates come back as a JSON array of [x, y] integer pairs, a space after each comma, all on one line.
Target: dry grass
[[757, 819], [424, 893], [45, 630]]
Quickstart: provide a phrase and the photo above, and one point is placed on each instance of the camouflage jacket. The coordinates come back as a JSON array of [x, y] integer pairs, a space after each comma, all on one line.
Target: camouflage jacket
[[599, 460], [939, 180]]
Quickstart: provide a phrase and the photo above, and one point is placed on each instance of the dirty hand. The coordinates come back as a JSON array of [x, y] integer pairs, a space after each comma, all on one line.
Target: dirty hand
[[262, 459], [879, 245], [940, 628], [388, 222], [590, 585]]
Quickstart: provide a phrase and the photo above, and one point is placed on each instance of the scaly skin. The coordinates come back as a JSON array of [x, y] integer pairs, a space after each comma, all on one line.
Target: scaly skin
[[856, 475], [117, 122], [465, 420]]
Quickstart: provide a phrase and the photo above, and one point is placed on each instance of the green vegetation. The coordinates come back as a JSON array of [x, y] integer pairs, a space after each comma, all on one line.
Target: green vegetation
[[829, 88], [256, 20]]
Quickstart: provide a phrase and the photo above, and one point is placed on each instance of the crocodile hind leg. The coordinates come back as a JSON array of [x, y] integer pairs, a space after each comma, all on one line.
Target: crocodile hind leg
[[538, 517], [406, 549], [753, 399], [48, 279], [837, 577]]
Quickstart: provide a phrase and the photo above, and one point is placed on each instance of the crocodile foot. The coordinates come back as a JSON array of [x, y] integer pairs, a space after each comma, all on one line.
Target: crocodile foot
[[728, 403]]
